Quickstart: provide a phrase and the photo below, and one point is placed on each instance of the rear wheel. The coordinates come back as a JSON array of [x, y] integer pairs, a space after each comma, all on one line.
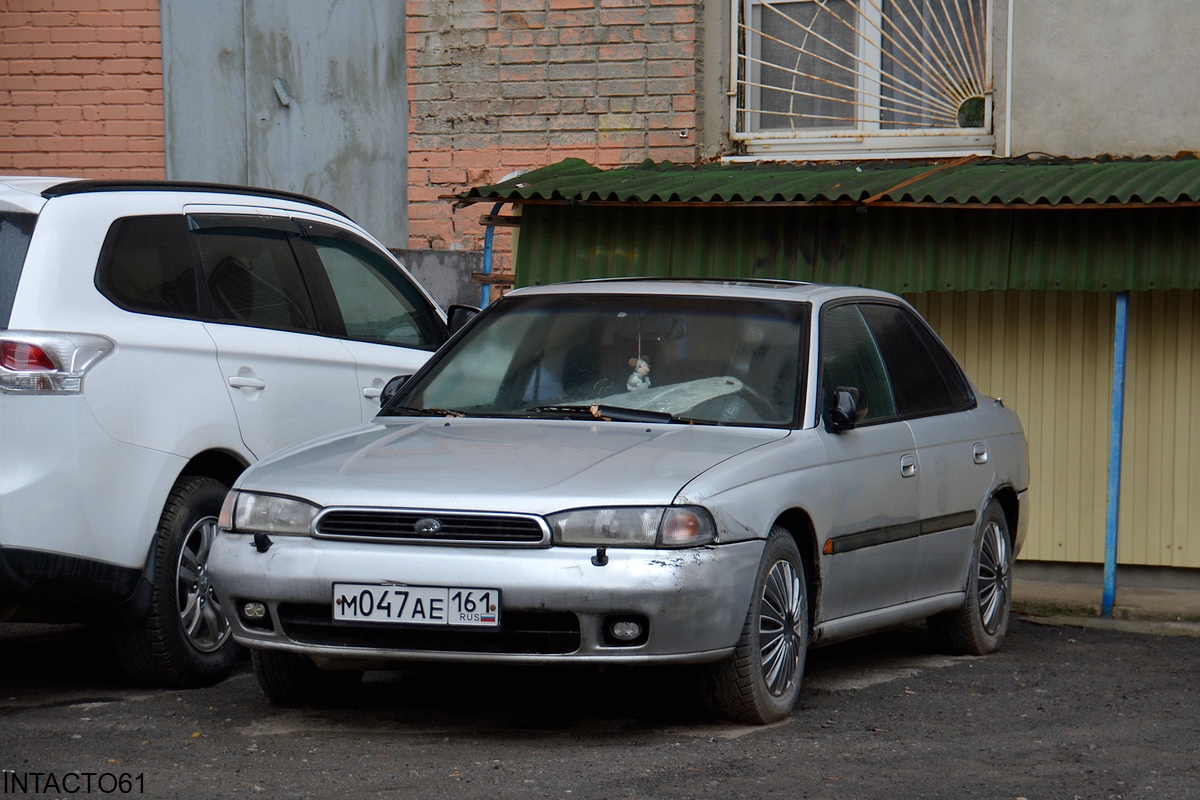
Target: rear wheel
[[288, 679], [979, 626], [761, 682], [185, 639]]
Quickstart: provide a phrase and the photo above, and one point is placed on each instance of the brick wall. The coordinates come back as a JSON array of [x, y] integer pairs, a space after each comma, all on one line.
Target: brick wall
[[502, 85], [81, 88]]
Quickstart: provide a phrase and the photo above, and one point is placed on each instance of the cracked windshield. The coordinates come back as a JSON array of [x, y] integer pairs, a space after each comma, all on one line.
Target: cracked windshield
[[624, 357]]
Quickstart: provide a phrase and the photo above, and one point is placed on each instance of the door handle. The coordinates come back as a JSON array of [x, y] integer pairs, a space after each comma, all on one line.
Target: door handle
[[908, 466], [979, 453], [372, 392], [246, 382]]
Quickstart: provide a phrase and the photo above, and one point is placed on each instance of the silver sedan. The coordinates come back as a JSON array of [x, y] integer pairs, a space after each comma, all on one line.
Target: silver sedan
[[639, 472]]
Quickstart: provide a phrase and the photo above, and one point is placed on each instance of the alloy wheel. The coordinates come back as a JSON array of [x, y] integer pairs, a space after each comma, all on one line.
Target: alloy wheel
[[200, 613], [781, 625], [995, 578]]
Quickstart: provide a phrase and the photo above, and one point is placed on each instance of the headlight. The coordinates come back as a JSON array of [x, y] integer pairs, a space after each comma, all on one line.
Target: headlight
[[246, 512], [652, 526]]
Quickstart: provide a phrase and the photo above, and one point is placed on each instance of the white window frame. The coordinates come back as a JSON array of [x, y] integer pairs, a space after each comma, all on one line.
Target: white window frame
[[866, 139]]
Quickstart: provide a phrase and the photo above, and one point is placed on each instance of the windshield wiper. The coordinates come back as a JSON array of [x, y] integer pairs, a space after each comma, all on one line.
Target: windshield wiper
[[612, 413], [424, 412]]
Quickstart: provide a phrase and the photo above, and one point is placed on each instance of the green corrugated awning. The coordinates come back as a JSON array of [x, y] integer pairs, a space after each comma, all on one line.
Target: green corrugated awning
[[966, 225], [969, 182]]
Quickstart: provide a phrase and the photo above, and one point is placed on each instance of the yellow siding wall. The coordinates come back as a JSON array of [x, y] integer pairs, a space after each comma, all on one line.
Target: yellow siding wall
[[1049, 355], [1160, 506]]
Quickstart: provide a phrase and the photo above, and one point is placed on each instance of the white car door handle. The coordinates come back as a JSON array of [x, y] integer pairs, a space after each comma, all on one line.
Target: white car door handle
[[908, 466], [372, 392], [244, 382]]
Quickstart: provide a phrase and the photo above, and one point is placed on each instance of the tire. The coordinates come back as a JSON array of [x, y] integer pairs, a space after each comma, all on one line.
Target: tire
[[761, 682], [978, 628], [184, 641], [288, 679]]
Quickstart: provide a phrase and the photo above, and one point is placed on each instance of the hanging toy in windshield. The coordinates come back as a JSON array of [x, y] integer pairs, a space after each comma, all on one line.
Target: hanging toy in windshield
[[640, 378]]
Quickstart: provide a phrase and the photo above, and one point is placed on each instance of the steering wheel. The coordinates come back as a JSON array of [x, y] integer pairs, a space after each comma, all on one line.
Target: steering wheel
[[763, 407]]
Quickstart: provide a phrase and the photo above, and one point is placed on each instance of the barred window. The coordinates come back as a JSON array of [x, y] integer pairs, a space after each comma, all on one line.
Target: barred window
[[852, 77]]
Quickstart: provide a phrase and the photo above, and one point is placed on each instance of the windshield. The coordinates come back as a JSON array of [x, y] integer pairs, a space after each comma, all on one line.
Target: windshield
[[694, 359]]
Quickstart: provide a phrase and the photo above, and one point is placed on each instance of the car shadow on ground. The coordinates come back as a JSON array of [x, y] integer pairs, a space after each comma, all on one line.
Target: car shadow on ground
[[480, 698], [50, 665]]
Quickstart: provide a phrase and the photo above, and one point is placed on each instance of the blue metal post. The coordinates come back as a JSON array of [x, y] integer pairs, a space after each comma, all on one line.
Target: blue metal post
[[1116, 435], [485, 293]]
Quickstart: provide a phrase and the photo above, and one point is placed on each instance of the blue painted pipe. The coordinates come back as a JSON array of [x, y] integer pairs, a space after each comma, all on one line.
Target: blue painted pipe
[[1116, 436], [485, 293]]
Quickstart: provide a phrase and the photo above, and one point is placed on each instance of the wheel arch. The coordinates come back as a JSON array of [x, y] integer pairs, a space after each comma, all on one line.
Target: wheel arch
[[799, 524], [1006, 496], [221, 465]]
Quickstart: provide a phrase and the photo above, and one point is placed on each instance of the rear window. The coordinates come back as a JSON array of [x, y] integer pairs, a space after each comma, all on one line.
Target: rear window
[[146, 266], [15, 232]]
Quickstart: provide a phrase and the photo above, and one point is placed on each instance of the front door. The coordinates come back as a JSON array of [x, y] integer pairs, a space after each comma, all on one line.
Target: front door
[[873, 468]]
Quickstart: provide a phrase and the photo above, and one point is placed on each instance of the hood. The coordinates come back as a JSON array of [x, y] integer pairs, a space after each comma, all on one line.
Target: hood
[[530, 466]]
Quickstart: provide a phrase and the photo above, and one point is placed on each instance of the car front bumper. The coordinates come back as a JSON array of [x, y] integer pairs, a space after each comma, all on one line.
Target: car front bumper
[[556, 603]]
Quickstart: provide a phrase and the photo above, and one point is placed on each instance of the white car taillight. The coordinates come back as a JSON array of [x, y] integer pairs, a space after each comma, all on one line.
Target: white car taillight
[[41, 362]]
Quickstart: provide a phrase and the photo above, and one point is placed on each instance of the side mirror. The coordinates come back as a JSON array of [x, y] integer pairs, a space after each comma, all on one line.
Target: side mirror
[[847, 410], [391, 388], [459, 316]]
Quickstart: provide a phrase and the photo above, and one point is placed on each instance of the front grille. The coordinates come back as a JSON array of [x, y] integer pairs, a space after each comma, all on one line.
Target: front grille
[[431, 526], [520, 633]]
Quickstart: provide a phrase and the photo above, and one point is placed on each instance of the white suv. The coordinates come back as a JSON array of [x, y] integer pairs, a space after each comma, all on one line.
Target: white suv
[[156, 338]]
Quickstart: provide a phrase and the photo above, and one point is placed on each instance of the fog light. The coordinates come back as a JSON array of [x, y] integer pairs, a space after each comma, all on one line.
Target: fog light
[[626, 631], [254, 610]]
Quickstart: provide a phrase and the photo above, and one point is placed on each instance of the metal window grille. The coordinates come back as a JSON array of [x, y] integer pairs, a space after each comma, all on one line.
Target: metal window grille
[[885, 73]]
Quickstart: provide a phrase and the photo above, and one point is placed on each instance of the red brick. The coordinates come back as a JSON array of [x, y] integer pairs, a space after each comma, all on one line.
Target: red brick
[[685, 102], [622, 16], [520, 5], [669, 69], [566, 54], [529, 22], [9, 52], [572, 19], [680, 15], [18, 35], [33, 99], [47, 128], [149, 19], [535, 73]]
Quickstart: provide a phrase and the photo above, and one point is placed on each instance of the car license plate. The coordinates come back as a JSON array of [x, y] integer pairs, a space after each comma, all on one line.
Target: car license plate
[[417, 605]]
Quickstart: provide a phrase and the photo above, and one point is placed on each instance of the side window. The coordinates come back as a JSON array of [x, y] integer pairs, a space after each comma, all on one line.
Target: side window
[[376, 301], [924, 375], [146, 266], [849, 357], [253, 278], [16, 229]]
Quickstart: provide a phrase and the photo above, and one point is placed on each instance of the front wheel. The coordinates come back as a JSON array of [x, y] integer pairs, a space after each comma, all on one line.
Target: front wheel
[[979, 626], [761, 682], [289, 679], [185, 639]]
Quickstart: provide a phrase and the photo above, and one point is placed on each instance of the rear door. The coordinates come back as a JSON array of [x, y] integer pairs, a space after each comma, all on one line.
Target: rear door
[[288, 381], [935, 399]]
